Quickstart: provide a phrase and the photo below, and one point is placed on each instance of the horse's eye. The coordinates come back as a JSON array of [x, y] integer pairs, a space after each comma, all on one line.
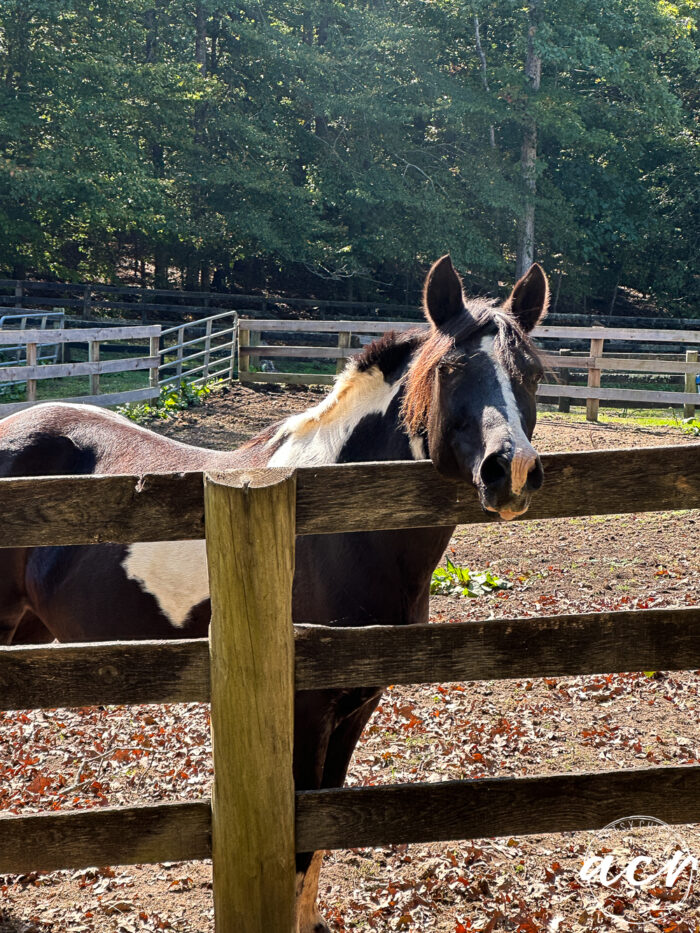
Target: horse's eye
[[446, 368]]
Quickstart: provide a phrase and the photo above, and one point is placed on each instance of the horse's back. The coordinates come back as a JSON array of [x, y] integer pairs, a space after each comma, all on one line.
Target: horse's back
[[58, 438]]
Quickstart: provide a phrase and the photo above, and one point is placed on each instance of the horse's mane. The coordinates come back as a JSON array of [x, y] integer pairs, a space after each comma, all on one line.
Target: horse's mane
[[479, 315]]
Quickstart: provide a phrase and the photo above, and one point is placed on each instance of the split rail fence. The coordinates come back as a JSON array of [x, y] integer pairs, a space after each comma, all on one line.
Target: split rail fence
[[594, 362], [31, 370], [255, 660]]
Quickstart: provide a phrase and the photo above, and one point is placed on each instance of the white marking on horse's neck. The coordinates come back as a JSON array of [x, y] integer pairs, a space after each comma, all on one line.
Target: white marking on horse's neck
[[174, 572], [524, 454], [318, 435]]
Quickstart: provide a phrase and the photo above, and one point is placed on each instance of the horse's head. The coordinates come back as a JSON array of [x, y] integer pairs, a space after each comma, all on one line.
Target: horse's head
[[472, 388]]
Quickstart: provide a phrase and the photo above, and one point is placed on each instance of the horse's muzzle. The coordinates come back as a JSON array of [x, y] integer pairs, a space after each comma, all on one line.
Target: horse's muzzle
[[507, 482]]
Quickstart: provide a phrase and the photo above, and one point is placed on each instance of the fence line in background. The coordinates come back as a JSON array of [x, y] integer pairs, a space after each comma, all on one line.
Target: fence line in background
[[33, 371], [23, 293], [567, 361]]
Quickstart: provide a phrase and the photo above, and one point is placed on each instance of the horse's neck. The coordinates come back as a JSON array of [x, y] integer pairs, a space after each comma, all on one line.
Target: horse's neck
[[360, 420]]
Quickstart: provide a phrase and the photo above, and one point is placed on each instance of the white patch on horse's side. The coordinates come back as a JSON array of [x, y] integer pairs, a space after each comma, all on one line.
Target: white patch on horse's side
[[524, 454], [417, 445], [318, 435], [175, 572]]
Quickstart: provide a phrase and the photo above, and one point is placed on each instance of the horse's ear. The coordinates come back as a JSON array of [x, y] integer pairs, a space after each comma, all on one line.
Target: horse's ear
[[529, 299], [442, 295]]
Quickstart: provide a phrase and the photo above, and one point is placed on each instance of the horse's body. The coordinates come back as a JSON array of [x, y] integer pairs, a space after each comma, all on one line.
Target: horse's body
[[463, 392]]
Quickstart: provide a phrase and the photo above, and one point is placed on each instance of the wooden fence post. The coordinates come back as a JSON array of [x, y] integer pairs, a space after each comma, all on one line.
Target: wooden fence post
[[691, 356], [31, 363], [344, 339], [592, 404], [235, 336], [154, 350], [564, 377], [243, 360], [19, 295], [250, 524], [253, 341], [85, 309], [94, 357]]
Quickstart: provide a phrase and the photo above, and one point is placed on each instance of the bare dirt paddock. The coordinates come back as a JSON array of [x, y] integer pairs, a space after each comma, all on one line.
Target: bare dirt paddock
[[64, 759]]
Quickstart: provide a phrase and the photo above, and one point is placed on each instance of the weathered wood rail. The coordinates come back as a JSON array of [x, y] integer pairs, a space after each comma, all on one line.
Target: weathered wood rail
[[595, 363], [255, 809], [32, 371]]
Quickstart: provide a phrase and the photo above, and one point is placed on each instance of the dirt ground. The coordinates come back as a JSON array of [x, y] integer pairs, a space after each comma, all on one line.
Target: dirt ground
[[90, 757]]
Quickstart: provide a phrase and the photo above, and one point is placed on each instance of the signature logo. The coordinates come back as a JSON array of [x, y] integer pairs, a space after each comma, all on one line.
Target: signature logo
[[637, 868]]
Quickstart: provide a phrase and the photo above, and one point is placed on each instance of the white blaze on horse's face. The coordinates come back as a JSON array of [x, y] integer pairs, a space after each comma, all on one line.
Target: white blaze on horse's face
[[482, 408], [524, 456]]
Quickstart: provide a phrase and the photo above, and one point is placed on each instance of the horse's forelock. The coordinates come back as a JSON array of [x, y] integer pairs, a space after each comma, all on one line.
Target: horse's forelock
[[477, 317]]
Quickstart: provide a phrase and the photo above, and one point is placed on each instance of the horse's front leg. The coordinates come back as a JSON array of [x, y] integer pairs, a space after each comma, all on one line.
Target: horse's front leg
[[347, 714]]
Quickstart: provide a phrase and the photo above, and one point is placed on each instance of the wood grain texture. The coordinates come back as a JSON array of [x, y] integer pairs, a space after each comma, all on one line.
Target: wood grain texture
[[375, 816], [345, 497], [59, 370], [104, 673], [31, 355], [618, 395], [592, 402], [321, 353], [78, 334], [356, 497], [631, 334], [54, 510], [691, 359], [170, 832], [550, 646], [327, 327], [250, 550], [547, 331]]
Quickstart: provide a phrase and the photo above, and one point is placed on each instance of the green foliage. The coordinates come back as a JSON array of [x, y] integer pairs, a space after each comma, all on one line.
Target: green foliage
[[172, 399], [350, 141], [453, 580], [691, 426]]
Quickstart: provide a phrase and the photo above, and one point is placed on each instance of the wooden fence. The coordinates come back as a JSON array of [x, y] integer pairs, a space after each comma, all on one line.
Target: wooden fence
[[94, 367], [87, 298], [199, 350], [594, 362], [250, 671]]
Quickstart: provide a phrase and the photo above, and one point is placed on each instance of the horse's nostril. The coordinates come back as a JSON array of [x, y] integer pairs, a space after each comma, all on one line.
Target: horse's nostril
[[535, 477], [495, 470]]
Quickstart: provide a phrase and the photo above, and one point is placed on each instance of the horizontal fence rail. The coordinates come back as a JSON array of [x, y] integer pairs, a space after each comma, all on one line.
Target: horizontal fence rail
[[118, 673], [341, 498], [487, 807], [169, 832], [252, 350], [359, 816]]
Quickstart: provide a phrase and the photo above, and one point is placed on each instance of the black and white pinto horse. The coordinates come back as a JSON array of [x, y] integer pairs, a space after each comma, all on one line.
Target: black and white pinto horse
[[462, 392]]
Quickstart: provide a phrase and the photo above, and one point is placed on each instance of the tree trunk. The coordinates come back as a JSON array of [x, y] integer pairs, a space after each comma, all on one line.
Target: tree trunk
[[484, 75], [528, 152], [200, 39]]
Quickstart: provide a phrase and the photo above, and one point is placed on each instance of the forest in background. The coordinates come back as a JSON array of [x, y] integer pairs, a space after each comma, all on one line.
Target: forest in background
[[336, 147]]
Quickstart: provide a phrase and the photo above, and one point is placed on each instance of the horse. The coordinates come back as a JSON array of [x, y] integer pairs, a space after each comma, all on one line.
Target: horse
[[461, 391]]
